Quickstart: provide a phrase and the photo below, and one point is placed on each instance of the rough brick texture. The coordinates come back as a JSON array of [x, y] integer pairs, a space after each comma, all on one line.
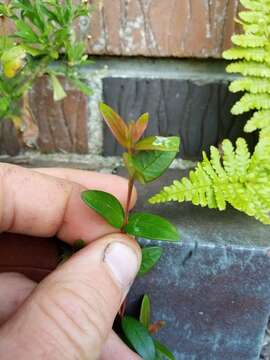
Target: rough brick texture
[[186, 28], [62, 125], [199, 112], [178, 28]]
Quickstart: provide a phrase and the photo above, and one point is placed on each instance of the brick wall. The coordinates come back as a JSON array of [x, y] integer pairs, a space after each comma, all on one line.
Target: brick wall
[[159, 56]]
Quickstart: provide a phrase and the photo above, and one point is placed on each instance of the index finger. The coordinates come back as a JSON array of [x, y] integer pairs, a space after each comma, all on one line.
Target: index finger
[[35, 203]]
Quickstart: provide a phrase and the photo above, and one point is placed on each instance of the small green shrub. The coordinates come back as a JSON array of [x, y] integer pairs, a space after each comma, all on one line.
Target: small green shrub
[[44, 32]]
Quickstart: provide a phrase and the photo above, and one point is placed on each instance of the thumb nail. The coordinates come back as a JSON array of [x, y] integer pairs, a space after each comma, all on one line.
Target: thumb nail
[[123, 263]]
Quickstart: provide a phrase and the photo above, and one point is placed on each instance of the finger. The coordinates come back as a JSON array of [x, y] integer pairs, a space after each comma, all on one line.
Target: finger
[[115, 349], [117, 185], [15, 289], [70, 314], [38, 204]]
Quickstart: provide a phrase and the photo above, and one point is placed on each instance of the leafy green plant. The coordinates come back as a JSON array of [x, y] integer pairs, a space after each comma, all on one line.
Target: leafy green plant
[[44, 31], [145, 159], [234, 175]]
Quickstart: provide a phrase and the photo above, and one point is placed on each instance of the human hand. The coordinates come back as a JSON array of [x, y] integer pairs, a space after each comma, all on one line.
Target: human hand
[[69, 315]]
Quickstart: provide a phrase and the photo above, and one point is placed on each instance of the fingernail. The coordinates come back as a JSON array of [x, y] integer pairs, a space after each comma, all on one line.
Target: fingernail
[[123, 263]]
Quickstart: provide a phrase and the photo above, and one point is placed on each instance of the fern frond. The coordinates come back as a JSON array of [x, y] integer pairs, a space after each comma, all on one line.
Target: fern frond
[[217, 181], [259, 120], [251, 102], [253, 85], [249, 40]]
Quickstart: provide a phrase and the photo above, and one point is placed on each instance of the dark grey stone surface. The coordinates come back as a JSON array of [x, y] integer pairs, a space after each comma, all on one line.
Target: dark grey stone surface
[[212, 289], [199, 111]]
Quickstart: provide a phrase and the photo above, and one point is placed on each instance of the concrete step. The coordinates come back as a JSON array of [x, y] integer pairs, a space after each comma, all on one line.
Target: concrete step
[[212, 289]]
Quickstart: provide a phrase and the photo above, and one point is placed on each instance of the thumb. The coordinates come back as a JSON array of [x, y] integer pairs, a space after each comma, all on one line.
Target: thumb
[[70, 314]]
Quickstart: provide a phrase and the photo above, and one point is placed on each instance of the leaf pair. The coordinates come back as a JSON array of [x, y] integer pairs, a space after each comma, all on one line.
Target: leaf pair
[[126, 134], [139, 224], [139, 337]]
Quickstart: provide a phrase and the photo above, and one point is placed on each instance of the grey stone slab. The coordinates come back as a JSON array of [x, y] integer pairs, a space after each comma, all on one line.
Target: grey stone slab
[[212, 289], [197, 110]]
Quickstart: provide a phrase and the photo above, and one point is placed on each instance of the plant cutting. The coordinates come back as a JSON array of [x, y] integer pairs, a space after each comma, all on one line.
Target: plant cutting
[[145, 159], [232, 174], [44, 31]]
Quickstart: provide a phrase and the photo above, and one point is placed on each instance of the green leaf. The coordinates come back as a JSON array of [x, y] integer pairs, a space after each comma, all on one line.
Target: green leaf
[[150, 256], [58, 91], [139, 338], [152, 227], [5, 10], [116, 124], [82, 86], [105, 205], [145, 312], [4, 104], [160, 143], [25, 32], [32, 50], [150, 165], [163, 353]]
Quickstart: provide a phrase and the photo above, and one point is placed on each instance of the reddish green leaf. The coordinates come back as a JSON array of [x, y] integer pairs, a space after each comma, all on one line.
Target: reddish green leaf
[[160, 143], [116, 124], [145, 312], [150, 256], [151, 226], [139, 127], [139, 338], [106, 205]]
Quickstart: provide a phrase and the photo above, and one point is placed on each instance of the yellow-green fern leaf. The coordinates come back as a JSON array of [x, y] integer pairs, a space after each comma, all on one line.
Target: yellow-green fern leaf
[[255, 54], [261, 5], [251, 102], [249, 40], [249, 68], [254, 85], [258, 29], [242, 158], [255, 17], [259, 120]]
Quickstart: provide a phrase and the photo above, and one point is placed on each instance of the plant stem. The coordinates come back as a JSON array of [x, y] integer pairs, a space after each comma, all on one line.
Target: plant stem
[[130, 188]]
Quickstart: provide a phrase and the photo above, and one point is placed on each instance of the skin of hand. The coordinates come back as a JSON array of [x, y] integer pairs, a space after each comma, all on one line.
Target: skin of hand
[[69, 315]]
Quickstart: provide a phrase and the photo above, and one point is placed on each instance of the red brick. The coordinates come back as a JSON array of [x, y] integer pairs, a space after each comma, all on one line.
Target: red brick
[[186, 28]]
